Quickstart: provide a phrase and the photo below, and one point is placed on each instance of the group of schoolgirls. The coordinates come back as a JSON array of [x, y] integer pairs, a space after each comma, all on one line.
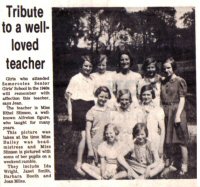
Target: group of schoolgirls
[[131, 125]]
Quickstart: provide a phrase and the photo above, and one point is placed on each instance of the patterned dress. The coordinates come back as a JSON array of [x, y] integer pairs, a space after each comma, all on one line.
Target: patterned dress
[[140, 156]]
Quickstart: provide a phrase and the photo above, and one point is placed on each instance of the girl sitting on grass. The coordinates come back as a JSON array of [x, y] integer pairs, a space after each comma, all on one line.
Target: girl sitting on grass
[[108, 151], [140, 159]]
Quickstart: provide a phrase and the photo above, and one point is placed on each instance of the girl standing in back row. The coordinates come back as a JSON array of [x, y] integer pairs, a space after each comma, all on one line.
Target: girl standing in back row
[[151, 76], [103, 77], [80, 98], [173, 92]]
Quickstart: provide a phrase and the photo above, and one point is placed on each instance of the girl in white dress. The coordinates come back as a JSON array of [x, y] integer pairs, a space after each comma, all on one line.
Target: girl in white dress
[[108, 151], [153, 116], [126, 115]]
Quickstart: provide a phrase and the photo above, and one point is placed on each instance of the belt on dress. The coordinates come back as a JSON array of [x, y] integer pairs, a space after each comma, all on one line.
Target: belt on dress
[[170, 103]]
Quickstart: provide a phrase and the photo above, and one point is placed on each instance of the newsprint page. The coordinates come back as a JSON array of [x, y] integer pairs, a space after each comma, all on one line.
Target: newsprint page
[[99, 93]]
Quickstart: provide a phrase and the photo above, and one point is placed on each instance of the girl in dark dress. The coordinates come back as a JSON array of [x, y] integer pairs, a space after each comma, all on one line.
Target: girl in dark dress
[[173, 92]]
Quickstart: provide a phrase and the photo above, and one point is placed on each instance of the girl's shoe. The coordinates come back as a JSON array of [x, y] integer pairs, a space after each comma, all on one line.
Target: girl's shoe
[[184, 169], [167, 171], [79, 170]]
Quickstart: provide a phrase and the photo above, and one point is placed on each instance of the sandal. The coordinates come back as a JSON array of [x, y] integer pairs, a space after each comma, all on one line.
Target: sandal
[[79, 170]]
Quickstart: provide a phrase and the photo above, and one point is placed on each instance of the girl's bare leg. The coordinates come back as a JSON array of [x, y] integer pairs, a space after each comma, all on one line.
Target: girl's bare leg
[[155, 171], [91, 170], [120, 175], [81, 148], [184, 152]]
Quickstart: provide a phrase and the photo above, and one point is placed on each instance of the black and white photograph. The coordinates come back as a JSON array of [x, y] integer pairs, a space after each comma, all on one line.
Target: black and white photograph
[[125, 103]]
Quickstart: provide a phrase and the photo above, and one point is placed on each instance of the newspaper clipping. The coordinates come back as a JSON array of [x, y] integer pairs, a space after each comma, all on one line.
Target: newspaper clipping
[[100, 93]]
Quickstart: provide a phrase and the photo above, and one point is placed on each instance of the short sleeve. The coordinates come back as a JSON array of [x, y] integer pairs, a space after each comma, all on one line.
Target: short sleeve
[[101, 149], [182, 87], [139, 76], [72, 84], [90, 115]]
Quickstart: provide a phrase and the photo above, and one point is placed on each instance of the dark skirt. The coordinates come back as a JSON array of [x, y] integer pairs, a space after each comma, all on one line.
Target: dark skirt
[[79, 110], [174, 135]]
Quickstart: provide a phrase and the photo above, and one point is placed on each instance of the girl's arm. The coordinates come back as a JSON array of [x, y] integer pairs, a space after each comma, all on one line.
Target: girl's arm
[[69, 105], [156, 160], [103, 167], [153, 165], [123, 162], [138, 89], [114, 84], [88, 138], [114, 89], [130, 172], [180, 109]]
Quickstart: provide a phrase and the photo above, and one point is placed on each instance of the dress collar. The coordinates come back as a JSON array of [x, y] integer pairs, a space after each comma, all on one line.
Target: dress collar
[[151, 104], [102, 109], [86, 78], [127, 110], [148, 108], [155, 79], [172, 79]]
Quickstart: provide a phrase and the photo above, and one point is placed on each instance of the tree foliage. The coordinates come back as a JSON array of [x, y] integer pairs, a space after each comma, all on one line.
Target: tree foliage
[[151, 31]]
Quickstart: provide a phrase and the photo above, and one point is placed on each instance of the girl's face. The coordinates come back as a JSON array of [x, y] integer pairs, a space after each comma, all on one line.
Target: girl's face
[[102, 98], [151, 70], [102, 66], [147, 97], [141, 136], [125, 101], [125, 61], [168, 70], [110, 135], [86, 68]]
